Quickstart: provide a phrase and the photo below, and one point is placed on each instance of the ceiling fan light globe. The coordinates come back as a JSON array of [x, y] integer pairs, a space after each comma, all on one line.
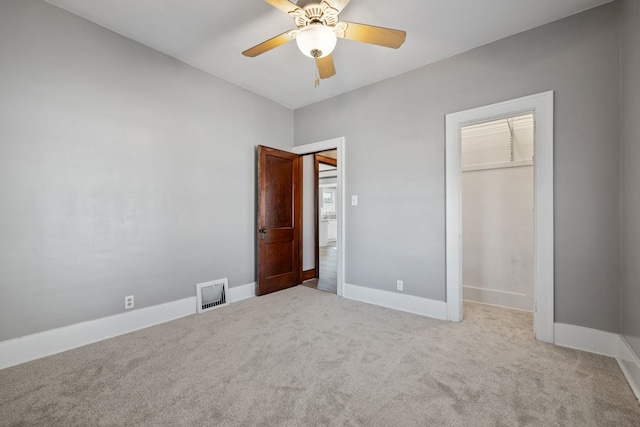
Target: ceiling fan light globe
[[316, 40]]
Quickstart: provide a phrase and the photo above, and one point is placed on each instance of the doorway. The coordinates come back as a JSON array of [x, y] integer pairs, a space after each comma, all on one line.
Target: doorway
[[325, 228], [541, 106], [337, 144], [497, 212]]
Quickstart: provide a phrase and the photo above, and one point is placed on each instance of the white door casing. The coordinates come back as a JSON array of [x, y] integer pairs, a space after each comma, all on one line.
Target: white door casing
[[541, 105]]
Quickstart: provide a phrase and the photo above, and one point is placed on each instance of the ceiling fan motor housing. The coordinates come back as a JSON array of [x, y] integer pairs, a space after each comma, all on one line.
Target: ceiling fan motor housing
[[321, 13]]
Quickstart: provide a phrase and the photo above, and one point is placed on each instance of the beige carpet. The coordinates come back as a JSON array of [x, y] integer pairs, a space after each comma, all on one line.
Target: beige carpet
[[303, 357]]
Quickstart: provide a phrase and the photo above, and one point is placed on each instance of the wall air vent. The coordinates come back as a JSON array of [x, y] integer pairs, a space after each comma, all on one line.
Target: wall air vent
[[212, 294]]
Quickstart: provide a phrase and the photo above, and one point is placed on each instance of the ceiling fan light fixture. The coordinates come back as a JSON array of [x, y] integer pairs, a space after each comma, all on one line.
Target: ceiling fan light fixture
[[316, 40]]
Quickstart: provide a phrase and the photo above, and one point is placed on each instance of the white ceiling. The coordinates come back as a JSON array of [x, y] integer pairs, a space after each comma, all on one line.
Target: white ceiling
[[211, 34]]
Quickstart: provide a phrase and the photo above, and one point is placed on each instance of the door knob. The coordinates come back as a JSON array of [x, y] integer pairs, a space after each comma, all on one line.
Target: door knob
[[262, 232]]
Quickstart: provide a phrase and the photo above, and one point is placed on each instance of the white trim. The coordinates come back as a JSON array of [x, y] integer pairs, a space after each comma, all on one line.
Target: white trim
[[397, 301], [31, 347], [239, 293], [339, 145], [496, 305], [498, 165], [630, 365], [498, 298], [604, 343], [586, 339], [542, 107], [35, 346]]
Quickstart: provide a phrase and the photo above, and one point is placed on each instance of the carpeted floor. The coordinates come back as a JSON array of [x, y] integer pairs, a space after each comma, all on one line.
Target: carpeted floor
[[302, 357]]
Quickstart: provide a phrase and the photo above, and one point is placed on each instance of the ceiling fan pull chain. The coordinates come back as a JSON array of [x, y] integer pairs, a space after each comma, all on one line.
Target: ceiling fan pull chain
[[316, 54]]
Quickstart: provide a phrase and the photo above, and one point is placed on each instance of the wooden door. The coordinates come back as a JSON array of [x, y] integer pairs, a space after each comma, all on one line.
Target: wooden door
[[279, 220]]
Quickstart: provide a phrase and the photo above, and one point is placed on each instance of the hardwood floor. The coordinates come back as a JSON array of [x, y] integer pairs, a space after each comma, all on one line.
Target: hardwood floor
[[328, 280]]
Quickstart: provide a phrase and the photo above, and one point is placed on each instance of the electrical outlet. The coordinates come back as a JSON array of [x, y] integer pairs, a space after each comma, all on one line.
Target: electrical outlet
[[128, 302], [400, 285]]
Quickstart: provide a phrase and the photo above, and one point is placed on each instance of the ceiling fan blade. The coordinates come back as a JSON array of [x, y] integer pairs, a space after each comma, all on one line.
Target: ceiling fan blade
[[338, 4], [269, 44], [326, 68], [284, 5], [370, 34]]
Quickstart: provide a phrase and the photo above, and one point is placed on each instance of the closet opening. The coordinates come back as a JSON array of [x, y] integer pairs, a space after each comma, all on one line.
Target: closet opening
[[498, 243]]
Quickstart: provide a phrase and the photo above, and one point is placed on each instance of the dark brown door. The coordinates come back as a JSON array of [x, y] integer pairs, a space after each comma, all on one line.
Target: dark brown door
[[279, 219]]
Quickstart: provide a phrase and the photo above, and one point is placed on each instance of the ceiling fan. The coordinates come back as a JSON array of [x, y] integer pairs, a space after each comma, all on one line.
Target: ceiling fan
[[318, 30]]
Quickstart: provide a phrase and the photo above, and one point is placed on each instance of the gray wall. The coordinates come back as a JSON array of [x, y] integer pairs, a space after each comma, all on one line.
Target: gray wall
[[122, 171], [395, 159], [630, 176]]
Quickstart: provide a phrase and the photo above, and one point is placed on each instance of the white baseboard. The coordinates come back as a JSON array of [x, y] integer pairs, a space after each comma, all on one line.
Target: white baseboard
[[586, 339], [397, 301], [604, 343], [498, 298], [35, 346], [31, 347], [239, 293], [630, 365]]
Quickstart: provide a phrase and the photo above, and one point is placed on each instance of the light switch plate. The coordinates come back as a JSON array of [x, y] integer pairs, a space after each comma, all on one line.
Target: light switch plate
[[354, 200]]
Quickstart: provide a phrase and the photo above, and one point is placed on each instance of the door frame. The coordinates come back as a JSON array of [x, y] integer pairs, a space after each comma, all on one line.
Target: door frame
[[339, 145], [541, 105]]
